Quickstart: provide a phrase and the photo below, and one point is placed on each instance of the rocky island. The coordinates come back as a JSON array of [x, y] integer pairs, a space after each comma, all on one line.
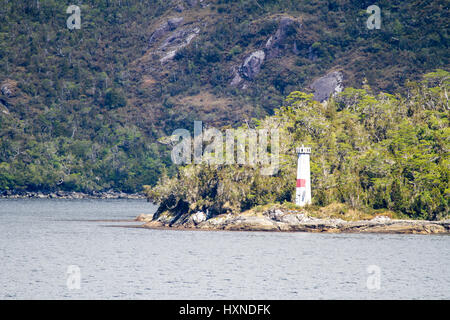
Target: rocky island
[[373, 168], [292, 221]]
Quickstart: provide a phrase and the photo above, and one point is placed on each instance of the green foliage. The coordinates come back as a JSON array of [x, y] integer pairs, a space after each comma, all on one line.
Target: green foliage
[[114, 99], [100, 158]]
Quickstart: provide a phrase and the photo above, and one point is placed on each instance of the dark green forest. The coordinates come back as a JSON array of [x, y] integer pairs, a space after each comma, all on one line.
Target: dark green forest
[[82, 110]]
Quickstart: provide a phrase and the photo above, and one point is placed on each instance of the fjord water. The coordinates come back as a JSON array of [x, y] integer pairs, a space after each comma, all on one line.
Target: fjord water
[[40, 239]]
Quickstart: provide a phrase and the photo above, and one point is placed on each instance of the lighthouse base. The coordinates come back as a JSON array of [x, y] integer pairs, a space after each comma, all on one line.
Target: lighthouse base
[[302, 197]]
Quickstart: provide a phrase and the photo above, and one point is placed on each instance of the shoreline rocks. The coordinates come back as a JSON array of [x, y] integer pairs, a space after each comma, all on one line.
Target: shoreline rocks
[[286, 221], [70, 195]]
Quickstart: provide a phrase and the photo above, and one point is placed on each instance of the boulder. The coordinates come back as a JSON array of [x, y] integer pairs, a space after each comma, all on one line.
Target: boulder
[[198, 217], [250, 223], [275, 44], [252, 65], [177, 40], [327, 85], [275, 214], [237, 79]]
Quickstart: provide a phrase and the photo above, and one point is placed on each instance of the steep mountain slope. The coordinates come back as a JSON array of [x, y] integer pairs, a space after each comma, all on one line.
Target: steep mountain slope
[[83, 109]]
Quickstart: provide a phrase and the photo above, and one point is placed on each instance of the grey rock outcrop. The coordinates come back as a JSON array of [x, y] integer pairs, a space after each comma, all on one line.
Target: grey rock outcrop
[[177, 40], [169, 25], [237, 79], [249, 68], [327, 85], [171, 36], [179, 37], [198, 217], [282, 220], [275, 44], [252, 64]]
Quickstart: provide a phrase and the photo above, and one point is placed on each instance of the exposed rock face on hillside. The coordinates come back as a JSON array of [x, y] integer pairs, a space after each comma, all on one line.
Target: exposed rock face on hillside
[[173, 36], [327, 85], [249, 68], [276, 43], [274, 47], [279, 220], [177, 40], [8, 92], [169, 25], [252, 64]]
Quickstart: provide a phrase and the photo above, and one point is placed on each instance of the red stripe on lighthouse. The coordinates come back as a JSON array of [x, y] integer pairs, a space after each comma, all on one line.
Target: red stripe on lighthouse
[[301, 183]]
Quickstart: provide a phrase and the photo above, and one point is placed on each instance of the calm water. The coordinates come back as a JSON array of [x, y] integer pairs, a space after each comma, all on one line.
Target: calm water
[[40, 239]]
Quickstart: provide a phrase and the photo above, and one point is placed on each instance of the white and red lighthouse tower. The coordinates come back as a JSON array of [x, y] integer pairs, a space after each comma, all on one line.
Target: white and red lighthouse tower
[[303, 190]]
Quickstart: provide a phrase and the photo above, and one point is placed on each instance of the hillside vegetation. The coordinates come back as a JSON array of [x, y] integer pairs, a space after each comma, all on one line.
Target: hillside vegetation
[[369, 151], [83, 109]]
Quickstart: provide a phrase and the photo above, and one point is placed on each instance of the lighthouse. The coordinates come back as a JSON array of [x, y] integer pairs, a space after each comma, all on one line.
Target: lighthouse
[[303, 190]]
